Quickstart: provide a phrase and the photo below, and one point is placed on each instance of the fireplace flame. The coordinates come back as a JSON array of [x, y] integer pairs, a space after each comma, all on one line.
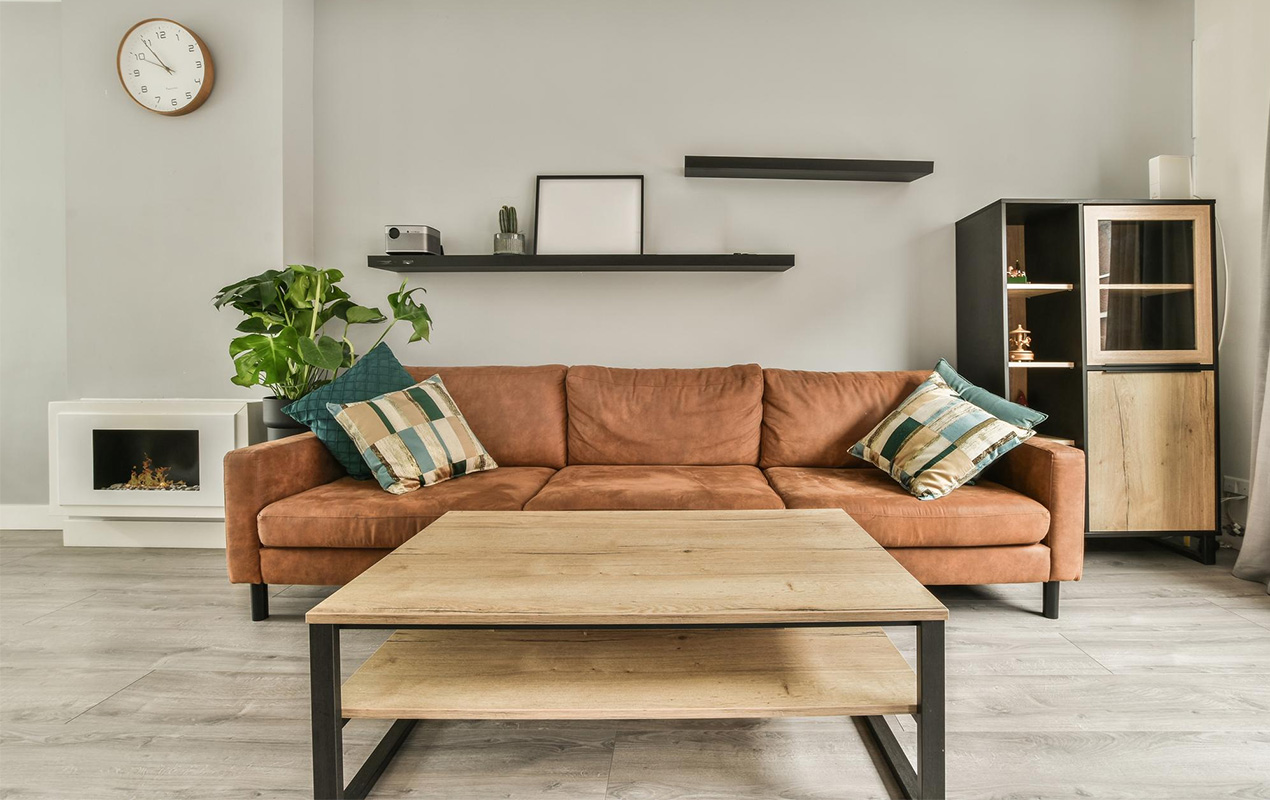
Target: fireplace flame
[[151, 477]]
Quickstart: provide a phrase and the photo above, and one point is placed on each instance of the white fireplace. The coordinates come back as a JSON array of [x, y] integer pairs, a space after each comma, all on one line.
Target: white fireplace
[[145, 473]]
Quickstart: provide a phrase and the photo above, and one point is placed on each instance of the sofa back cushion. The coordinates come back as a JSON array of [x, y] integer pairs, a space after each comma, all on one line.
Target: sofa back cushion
[[518, 413], [703, 417], [811, 419]]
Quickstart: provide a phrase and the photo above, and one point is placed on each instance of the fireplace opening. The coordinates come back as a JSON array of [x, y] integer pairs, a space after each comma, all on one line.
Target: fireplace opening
[[145, 460]]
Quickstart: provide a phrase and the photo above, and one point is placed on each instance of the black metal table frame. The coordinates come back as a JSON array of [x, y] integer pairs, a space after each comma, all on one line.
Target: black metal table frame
[[921, 781]]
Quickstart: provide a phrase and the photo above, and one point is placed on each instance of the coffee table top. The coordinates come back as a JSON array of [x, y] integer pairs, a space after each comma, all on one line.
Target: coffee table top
[[587, 568]]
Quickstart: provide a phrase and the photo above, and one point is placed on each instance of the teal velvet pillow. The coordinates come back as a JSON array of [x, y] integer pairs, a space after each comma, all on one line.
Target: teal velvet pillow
[[378, 372], [999, 407]]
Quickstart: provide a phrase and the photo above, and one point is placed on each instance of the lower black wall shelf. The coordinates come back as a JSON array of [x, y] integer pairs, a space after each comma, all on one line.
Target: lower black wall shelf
[[734, 262]]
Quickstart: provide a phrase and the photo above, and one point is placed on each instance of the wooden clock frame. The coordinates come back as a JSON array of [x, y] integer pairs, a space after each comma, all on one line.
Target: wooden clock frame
[[209, 73]]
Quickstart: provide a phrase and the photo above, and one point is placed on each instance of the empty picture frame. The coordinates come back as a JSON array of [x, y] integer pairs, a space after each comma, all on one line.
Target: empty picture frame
[[589, 215]]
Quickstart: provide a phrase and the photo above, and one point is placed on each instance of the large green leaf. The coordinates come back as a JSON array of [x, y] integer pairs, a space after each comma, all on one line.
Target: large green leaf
[[249, 290], [325, 353], [404, 308], [268, 359], [354, 314]]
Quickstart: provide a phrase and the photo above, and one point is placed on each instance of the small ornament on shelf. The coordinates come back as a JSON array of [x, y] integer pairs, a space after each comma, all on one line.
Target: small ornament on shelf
[[1014, 273], [1021, 344], [1021, 398]]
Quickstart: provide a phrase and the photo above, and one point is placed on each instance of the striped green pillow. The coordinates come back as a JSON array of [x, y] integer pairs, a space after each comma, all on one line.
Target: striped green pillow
[[936, 440], [414, 437]]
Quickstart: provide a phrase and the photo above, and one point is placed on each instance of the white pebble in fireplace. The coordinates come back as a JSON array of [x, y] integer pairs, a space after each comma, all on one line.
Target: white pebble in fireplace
[[145, 473]]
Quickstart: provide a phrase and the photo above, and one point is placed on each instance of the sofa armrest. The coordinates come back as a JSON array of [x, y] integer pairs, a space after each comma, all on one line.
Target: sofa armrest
[[261, 474], [1053, 475]]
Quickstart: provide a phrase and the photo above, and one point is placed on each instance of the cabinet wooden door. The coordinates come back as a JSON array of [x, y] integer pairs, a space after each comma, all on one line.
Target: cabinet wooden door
[[1148, 284], [1151, 453]]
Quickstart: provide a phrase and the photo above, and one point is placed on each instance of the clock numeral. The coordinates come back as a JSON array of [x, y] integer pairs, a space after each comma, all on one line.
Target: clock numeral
[[138, 56], [163, 34], [198, 65], [198, 80], [136, 73], [174, 100], [191, 48], [188, 96], [145, 89]]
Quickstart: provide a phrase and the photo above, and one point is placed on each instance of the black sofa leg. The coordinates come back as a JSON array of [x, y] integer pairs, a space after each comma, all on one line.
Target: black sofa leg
[[260, 601], [1049, 591]]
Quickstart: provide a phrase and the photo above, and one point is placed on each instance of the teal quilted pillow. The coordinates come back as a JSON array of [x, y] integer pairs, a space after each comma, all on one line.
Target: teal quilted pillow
[[378, 372], [999, 407]]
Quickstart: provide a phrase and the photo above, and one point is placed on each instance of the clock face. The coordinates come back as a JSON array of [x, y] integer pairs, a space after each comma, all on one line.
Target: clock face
[[165, 67]]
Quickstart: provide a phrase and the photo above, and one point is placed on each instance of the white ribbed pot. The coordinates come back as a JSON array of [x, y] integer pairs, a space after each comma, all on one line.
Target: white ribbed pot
[[509, 244]]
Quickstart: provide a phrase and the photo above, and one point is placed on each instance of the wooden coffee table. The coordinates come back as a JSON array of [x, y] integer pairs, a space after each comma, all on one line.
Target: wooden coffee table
[[631, 615]]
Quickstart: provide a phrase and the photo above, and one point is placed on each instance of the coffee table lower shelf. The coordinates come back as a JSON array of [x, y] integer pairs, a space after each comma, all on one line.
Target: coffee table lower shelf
[[619, 673]]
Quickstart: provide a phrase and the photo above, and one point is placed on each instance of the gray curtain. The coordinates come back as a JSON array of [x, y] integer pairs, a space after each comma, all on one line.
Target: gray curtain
[[1254, 557]]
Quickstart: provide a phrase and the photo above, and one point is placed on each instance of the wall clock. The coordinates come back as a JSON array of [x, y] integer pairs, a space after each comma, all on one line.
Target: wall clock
[[165, 67]]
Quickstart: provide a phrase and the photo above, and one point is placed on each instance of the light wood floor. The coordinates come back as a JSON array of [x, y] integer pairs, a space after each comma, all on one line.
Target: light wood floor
[[137, 674]]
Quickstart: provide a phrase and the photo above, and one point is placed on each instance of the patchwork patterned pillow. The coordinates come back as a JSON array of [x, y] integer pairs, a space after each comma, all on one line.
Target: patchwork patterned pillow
[[935, 440], [414, 437], [374, 373]]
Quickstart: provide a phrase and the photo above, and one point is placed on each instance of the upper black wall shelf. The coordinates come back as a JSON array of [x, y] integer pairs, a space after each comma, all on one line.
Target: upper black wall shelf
[[733, 262], [806, 169]]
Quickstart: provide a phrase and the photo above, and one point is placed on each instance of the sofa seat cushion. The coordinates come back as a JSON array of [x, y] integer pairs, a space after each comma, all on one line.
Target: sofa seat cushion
[[353, 513], [645, 488], [972, 516]]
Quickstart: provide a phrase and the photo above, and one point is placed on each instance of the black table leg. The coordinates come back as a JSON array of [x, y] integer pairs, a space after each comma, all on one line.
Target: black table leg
[[328, 735], [930, 710]]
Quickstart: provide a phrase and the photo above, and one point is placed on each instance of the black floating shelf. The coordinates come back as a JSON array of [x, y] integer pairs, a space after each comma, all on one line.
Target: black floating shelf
[[806, 169], [735, 262]]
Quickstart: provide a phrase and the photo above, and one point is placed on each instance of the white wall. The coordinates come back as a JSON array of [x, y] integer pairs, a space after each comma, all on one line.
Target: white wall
[[440, 112], [1232, 102], [32, 245], [163, 211]]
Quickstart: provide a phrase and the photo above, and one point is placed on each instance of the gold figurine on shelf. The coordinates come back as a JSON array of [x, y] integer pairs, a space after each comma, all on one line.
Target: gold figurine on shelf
[[1021, 344]]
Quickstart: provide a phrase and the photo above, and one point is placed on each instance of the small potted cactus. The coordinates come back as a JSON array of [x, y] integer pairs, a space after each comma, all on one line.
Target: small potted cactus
[[509, 241]]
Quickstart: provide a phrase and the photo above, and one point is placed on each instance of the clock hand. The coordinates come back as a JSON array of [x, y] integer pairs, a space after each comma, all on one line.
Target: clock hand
[[156, 56], [153, 64]]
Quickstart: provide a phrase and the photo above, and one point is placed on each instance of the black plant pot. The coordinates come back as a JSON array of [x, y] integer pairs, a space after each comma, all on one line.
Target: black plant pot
[[278, 424]]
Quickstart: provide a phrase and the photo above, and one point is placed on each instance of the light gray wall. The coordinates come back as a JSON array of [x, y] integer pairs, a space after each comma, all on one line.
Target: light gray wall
[[297, 131], [32, 245], [163, 211], [439, 112], [1232, 100]]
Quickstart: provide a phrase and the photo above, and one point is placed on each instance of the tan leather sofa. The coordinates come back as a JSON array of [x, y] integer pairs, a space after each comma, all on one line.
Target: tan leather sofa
[[585, 438]]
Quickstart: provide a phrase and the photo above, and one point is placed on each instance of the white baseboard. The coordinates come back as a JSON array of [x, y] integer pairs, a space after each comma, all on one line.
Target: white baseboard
[[19, 517], [86, 532]]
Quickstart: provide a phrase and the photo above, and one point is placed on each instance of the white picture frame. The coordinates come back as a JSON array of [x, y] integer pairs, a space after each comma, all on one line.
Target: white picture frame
[[589, 215]]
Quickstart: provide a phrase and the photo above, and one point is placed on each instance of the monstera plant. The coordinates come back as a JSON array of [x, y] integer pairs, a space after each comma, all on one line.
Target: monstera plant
[[295, 331]]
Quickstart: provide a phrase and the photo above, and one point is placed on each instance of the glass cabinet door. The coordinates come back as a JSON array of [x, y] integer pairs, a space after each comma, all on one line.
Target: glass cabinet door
[[1148, 284]]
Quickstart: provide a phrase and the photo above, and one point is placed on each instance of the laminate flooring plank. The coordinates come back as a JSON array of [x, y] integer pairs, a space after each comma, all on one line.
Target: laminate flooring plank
[[138, 674]]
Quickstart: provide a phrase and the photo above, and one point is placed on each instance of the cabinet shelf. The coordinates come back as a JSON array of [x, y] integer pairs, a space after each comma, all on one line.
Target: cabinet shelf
[[1042, 365], [1148, 288], [1036, 289], [726, 262]]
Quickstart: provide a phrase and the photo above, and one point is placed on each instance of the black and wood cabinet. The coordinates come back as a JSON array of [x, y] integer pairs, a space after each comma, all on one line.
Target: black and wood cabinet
[[1119, 301]]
